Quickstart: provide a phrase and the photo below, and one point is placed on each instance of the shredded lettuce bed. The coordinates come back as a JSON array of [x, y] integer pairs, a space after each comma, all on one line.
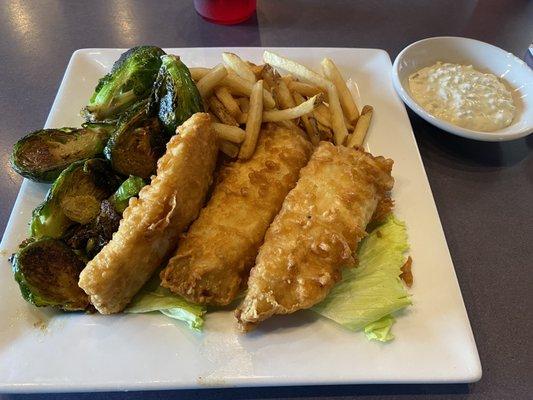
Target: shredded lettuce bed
[[153, 297], [370, 292], [364, 299]]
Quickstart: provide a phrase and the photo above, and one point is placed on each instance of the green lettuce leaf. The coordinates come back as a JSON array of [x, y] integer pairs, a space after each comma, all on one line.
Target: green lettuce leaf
[[381, 329], [373, 289], [153, 297]]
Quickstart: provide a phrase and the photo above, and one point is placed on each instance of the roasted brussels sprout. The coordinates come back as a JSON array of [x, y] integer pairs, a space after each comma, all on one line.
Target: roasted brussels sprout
[[175, 94], [90, 238], [75, 196], [130, 80], [47, 272], [43, 154], [129, 188], [137, 143]]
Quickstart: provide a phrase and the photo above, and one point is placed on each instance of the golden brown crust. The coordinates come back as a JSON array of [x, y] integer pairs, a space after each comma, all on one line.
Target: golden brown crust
[[214, 258], [151, 224], [316, 232]]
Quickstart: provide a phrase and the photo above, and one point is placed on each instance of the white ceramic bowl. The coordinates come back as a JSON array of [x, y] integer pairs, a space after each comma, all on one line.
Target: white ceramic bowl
[[484, 57]]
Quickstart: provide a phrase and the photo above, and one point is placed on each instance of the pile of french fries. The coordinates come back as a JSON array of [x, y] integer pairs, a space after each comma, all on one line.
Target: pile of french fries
[[240, 96]]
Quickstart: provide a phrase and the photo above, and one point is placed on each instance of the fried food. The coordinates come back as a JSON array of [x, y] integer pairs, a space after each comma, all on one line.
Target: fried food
[[222, 114], [253, 122], [296, 69], [361, 128], [225, 97], [240, 67], [211, 79], [230, 133], [347, 103], [213, 259], [316, 232], [151, 224], [295, 112], [340, 132]]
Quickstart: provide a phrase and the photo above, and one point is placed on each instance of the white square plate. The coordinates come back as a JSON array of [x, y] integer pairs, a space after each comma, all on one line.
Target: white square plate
[[43, 350]]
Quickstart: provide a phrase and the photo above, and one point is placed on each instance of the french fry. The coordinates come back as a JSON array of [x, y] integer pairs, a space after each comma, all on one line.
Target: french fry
[[237, 85], [240, 86], [287, 114], [296, 69], [305, 89], [283, 101], [337, 118], [284, 98], [198, 73], [324, 132], [229, 149], [269, 76], [310, 128], [256, 69], [253, 122], [240, 67], [357, 138], [242, 118], [323, 115], [222, 93], [348, 124], [287, 78], [214, 118], [295, 112], [331, 72], [230, 133], [217, 108], [213, 78], [244, 104], [274, 91]]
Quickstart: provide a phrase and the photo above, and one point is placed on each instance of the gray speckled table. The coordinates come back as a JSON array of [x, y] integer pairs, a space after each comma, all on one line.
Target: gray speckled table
[[484, 191]]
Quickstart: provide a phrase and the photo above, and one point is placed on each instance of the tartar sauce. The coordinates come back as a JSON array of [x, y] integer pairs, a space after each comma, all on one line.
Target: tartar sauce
[[463, 96]]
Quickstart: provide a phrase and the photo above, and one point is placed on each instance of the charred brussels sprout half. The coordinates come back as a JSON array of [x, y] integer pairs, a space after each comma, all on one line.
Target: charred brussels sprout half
[[74, 197], [47, 272], [130, 80], [137, 143], [43, 154], [91, 238], [175, 94]]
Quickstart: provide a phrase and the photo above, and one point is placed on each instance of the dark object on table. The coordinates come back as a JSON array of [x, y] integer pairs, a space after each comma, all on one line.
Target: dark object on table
[[225, 12]]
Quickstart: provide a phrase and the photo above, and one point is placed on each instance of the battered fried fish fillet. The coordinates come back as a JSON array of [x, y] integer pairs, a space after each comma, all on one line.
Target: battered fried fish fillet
[[150, 226], [316, 232], [214, 258]]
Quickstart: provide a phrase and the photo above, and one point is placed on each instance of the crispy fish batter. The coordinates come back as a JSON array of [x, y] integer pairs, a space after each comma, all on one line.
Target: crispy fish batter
[[151, 224], [214, 258], [316, 232]]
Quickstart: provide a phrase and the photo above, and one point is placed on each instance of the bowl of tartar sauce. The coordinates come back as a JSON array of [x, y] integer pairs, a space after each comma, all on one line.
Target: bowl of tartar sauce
[[466, 87]]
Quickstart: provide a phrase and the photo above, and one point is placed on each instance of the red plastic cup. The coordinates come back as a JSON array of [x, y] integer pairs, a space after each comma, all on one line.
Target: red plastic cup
[[225, 12]]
